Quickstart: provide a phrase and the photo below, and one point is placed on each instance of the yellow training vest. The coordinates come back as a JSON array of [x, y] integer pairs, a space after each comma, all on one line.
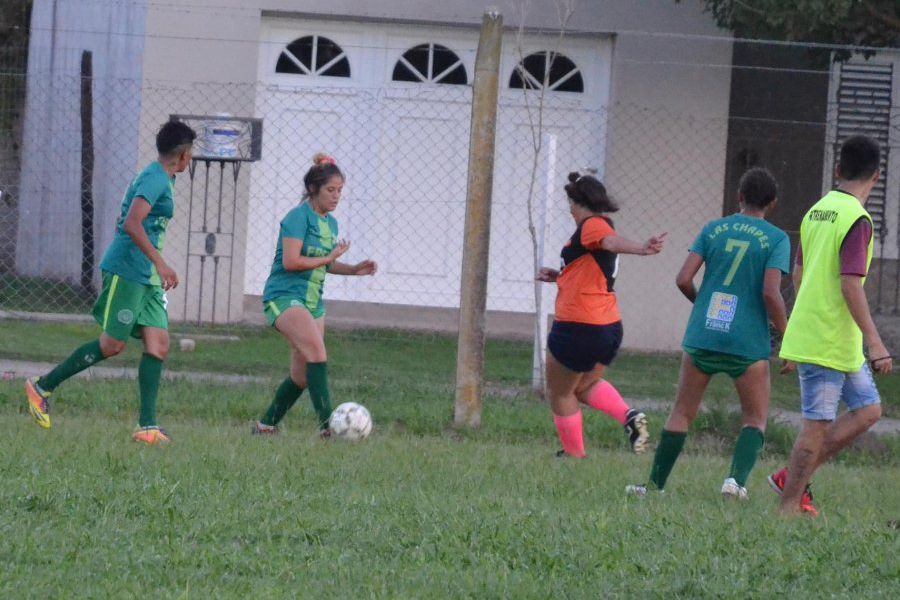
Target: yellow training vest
[[821, 329]]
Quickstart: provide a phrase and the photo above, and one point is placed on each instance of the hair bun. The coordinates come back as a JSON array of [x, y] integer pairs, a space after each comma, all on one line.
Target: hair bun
[[320, 158], [574, 176]]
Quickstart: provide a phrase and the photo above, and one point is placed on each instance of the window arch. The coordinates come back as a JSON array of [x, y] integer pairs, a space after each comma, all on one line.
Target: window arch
[[430, 63], [547, 70], [313, 55]]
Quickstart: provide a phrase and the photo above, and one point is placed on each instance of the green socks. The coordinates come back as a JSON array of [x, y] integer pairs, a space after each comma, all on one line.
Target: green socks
[[667, 451], [149, 374], [317, 380], [746, 449], [285, 397], [78, 361]]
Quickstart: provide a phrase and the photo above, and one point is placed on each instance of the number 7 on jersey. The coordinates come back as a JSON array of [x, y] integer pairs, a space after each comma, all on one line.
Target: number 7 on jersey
[[741, 246]]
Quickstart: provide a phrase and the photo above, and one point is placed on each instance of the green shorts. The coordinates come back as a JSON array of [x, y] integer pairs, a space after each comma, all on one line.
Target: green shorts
[[125, 306], [273, 308], [711, 362]]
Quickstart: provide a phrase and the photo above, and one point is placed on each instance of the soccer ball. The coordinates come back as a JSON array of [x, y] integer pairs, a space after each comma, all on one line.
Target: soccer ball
[[350, 421]]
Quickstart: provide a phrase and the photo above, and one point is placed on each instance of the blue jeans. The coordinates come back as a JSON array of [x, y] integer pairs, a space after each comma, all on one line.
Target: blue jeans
[[822, 389]]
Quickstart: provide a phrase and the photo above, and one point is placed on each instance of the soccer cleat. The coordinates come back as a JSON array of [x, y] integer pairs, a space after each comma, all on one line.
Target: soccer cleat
[[640, 490], [325, 434], [260, 428], [777, 481], [636, 430], [636, 489], [151, 435], [731, 490], [38, 402]]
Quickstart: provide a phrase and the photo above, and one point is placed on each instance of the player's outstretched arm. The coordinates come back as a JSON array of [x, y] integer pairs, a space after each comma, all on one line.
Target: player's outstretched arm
[[685, 278], [621, 245], [134, 227]]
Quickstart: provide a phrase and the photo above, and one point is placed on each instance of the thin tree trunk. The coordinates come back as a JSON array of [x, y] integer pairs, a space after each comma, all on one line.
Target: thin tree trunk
[[87, 174]]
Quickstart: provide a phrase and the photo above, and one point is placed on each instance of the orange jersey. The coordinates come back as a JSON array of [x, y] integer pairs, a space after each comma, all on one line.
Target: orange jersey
[[588, 274]]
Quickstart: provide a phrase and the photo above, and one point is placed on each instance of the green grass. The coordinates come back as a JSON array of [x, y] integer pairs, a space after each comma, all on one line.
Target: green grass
[[36, 294], [396, 355], [417, 511]]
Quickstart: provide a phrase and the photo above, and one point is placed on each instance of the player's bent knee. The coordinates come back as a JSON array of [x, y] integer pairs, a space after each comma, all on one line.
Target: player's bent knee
[[110, 346], [871, 414]]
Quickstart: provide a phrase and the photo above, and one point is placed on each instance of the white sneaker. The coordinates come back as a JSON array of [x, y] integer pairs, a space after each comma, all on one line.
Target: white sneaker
[[732, 491], [639, 490]]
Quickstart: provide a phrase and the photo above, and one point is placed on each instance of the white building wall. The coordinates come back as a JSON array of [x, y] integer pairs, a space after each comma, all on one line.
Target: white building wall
[[670, 80], [49, 234]]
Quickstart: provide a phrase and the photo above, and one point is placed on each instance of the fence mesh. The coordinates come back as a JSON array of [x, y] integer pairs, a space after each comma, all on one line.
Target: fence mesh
[[404, 148]]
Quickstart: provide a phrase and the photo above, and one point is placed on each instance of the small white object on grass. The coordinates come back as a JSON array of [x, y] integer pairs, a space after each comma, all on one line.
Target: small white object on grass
[[186, 345]]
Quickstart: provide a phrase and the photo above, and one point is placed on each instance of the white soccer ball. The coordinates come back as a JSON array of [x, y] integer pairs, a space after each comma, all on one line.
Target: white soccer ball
[[350, 421]]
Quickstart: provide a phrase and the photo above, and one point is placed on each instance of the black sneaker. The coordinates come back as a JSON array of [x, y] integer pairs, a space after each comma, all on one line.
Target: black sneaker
[[636, 431]]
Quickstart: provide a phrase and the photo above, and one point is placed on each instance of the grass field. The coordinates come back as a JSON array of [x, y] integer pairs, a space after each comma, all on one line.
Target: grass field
[[417, 511], [384, 354]]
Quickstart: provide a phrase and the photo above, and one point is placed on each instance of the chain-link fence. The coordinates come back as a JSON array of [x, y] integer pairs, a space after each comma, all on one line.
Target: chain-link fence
[[404, 149]]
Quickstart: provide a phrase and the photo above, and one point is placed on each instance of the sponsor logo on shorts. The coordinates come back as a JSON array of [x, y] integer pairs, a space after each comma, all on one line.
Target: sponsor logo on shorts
[[721, 311], [125, 316], [89, 358]]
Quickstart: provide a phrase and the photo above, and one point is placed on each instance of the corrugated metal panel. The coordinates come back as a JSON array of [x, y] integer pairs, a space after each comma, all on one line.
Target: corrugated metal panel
[[864, 106]]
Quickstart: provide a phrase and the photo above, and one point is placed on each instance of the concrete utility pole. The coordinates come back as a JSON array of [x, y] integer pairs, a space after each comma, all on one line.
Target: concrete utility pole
[[476, 244]]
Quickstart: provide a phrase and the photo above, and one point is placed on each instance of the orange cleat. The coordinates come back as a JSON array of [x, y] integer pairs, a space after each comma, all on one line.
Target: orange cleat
[[151, 435], [38, 402]]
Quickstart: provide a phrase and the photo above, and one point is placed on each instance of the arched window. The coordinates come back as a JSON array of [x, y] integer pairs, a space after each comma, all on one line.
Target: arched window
[[430, 63], [313, 55], [547, 70]]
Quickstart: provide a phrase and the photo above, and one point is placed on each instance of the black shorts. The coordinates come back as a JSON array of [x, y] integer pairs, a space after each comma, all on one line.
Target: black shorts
[[579, 346]]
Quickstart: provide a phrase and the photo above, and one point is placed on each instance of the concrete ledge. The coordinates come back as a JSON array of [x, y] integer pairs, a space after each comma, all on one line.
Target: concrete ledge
[[358, 315]]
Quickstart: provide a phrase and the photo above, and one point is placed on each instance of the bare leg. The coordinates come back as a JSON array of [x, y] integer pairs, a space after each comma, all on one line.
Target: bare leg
[[561, 385], [847, 428], [753, 388], [805, 459], [587, 381], [692, 384]]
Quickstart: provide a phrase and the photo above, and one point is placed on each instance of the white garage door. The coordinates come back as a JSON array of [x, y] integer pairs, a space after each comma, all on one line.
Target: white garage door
[[392, 104]]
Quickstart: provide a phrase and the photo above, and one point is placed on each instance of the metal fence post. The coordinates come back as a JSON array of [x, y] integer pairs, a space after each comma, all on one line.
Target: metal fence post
[[476, 243]]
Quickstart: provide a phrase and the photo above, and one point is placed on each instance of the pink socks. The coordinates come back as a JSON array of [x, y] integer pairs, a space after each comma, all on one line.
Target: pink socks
[[604, 397], [570, 434]]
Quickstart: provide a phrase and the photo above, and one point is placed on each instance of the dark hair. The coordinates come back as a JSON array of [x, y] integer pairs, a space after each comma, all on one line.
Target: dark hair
[[860, 157], [323, 169], [758, 187], [174, 136], [587, 191]]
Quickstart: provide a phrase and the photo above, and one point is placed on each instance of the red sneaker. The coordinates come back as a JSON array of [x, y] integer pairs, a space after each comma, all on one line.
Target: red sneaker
[[777, 481]]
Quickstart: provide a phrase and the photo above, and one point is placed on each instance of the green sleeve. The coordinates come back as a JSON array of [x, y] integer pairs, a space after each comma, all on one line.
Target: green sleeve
[[151, 187], [294, 225]]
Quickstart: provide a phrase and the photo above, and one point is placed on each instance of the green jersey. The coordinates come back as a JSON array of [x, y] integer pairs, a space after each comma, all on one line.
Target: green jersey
[[729, 314], [318, 235], [123, 257]]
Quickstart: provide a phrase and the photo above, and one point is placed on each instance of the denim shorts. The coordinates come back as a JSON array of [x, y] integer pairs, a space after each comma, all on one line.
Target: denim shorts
[[822, 389]]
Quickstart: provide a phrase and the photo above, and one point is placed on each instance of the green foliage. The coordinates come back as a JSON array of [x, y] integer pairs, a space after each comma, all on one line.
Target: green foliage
[[14, 21], [873, 23]]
